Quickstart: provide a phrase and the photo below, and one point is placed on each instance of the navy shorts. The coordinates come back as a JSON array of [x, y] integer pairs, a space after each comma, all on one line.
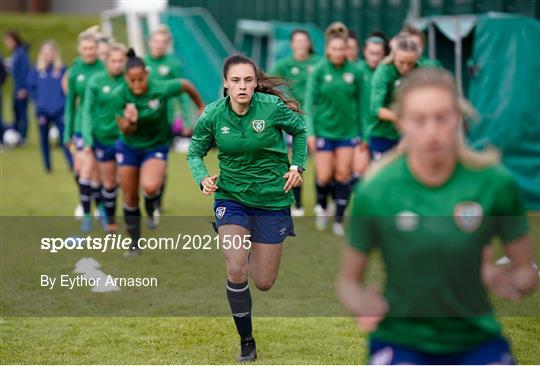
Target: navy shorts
[[104, 153], [128, 156], [324, 144], [265, 226], [78, 142], [379, 145], [496, 351]]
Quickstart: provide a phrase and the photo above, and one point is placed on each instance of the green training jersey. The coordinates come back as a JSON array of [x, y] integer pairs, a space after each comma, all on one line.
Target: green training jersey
[[366, 73], [431, 241], [98, 116], [383, 84], [252, 153], [296, 73], [152, 127], [78, 75], [168, 68], [332, 101]]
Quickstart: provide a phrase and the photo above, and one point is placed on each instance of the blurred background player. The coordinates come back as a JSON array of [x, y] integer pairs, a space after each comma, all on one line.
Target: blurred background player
[[86, 173], [418, 37], [252, 193], [164, 66], [45, 88], [332, 110], [295, 70], [383, 133], [99, 128], [19, 66], [140, 107], [432, 208]]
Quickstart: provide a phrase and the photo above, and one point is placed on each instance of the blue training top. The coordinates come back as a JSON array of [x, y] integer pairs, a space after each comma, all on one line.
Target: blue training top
[[46, 89]]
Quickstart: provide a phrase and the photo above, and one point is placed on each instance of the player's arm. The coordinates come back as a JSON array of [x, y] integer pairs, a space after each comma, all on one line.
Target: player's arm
[[87, 112], [201, 142], [69, 111], [193, 93], [312, 89], [379, 91]]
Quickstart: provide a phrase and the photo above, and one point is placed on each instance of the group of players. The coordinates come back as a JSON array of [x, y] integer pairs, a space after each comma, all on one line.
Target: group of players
[[118, 126]]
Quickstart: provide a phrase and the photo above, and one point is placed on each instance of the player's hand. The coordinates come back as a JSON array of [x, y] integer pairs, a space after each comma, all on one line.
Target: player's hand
[[209, 185], [130, 113], [22, 94], [294, 179], [499, 278], [312, 144], [374, 308]]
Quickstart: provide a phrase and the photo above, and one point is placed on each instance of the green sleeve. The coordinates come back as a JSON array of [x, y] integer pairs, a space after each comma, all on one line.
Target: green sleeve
[[201, 142], [172, 88], [312, 89], [362, 233], [117, 103], [510, 211], [359, 124], [294, 125], [87, 107], [184, 101], [379, 89], [69, 111]]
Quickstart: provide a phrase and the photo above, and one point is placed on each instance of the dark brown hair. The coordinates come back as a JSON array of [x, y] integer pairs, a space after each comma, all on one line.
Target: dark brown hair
[[306, 33], [13, 34], [265, 84]]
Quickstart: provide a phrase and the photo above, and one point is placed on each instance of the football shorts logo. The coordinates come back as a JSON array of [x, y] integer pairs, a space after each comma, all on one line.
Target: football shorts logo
[[382, 357], [295, 70], [159, 155], [80, 77], [100, 153], [163, 70], [225, 130], [154, 104], [328, 78], [468, 216], [258, 125], [348, 77], [220, 211], [119, 158], [106, 89], [407, 221]]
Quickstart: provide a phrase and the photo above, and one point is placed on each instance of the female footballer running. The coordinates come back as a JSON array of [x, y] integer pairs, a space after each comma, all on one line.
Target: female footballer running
[[99, 128], [141, 152], [296, 69], [252, 193], [332, 111], [84, 163], [432, 207], [383, 134]]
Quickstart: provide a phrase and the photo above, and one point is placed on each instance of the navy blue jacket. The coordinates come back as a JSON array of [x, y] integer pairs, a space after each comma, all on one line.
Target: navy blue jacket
[[45, 87], [20, 66]]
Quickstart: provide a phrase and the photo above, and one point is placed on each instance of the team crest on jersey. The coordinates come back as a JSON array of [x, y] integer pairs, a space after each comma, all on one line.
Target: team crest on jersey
[[407, 221], [80, 77], [468, 216], [310, 68], [258, 125], [106, 89], [43, 74], [397, 82], [348, 77], [295, 70], [328, 78], [163, 70], [153, 104], [225, 130], [220, 211]]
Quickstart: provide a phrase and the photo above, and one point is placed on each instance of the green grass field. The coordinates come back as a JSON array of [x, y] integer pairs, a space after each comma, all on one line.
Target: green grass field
[[138, 337]]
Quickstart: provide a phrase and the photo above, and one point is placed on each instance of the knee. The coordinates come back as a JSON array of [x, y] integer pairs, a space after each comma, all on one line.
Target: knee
[[237, 273], [131, 200], [343, 175], [151, 189], [264, 284]]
